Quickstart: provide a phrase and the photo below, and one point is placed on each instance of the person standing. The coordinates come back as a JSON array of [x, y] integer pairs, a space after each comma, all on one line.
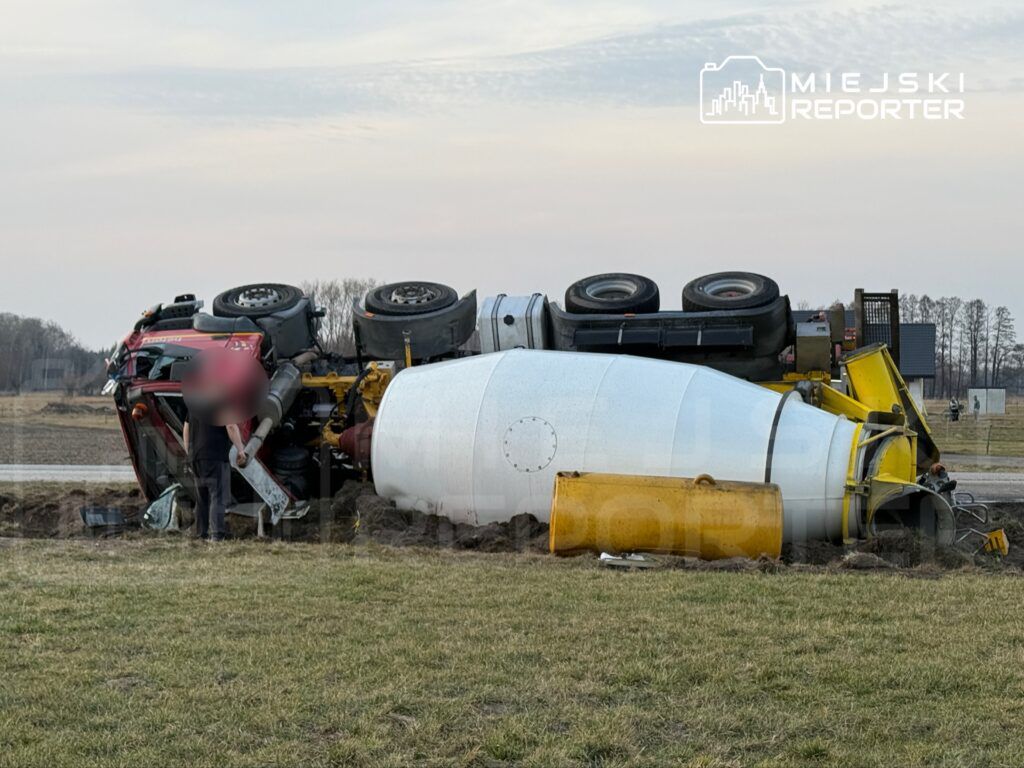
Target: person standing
[[977, 407], [208, 445]]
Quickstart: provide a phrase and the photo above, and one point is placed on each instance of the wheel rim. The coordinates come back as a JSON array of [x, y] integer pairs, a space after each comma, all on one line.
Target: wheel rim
[[259, 297], [612, 288], [730, 288], [414, 294]]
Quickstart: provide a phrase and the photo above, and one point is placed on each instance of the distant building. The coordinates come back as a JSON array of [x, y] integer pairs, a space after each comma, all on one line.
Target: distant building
[[48, 374], [917, 356], [990, 401]]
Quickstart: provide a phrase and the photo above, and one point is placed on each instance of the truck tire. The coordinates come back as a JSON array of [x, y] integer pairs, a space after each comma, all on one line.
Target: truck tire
[[729, 290], [613, 293], [409, 298], [256, 300]]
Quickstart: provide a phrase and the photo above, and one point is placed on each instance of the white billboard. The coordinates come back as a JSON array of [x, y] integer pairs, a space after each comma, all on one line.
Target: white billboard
[[985, 401]]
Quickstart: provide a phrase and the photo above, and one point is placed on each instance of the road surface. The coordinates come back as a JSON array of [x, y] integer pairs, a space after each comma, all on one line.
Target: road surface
[[65, 473], [980, 460], [991, 486]]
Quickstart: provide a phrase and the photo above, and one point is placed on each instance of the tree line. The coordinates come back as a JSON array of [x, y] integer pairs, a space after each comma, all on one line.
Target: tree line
[[39, 354], [36, 354], [336, 298], [975, 344]]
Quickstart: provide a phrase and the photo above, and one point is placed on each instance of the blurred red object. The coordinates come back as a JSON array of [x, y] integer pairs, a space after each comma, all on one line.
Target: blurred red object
[[224, 386]]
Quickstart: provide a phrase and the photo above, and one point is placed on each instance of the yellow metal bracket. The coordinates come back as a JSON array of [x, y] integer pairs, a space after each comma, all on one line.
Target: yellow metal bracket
[[852, 487], [372, 384]]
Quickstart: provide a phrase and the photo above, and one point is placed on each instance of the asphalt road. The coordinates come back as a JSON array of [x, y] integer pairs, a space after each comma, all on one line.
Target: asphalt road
[[991, 486], [65, 473], [980, 460]]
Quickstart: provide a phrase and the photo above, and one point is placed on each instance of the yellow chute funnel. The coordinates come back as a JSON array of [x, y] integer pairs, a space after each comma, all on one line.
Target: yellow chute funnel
[[669, 515], [875, 381]]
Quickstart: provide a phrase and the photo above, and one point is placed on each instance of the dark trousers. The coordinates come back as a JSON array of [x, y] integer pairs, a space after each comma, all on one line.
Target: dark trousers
[[213, 483]]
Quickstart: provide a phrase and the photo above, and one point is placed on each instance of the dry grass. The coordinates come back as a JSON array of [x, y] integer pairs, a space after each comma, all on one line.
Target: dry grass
[[168, 653], [987, 435], [30, 433]]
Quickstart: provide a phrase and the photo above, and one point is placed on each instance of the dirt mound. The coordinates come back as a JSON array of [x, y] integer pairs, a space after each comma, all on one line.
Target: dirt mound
[[42, 513], [864, 561], [356, 514], [902, 549], [1010, 517], [379, 521], [65, 408]]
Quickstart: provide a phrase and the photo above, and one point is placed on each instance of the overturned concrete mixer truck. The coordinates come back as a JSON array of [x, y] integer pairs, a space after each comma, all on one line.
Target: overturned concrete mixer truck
[[723, 428]]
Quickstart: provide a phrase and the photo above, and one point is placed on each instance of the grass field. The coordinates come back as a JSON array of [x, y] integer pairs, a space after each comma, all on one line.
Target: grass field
[[49, 428], [988, 435], [169, 653], [93, 412]]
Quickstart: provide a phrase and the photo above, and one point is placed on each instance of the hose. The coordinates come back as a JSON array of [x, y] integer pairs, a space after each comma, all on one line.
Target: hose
[[351, 397]]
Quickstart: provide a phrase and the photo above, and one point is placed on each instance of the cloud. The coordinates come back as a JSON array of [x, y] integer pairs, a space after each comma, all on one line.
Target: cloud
[[657, 66], [560, 153]]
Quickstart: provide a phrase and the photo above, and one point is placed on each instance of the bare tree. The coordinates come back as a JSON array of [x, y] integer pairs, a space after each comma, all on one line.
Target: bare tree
[[947, 316], [986, 336], [337, 297], [908, 308], [926, 309], [975, 313], [29, 344], [961, 354], [1015, 367], [1004, 339]]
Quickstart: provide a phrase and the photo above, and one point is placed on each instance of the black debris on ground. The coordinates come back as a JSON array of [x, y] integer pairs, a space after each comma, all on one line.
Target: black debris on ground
[[36, 512]]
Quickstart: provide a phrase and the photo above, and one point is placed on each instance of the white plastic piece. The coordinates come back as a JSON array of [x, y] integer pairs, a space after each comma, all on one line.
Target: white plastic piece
[[267, 488], [442, 444]]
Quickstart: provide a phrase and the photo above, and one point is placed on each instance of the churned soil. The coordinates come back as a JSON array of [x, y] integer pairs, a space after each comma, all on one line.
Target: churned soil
[[356, 515], [53, 511]]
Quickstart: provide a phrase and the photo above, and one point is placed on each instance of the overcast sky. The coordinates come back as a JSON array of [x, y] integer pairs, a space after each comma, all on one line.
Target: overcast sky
[[153, 148]]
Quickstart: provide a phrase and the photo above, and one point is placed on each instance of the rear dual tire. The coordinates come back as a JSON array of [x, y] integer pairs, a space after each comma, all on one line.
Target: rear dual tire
[[617, 293], [729, 290], [613, 293], [256, 300], [409, 298]]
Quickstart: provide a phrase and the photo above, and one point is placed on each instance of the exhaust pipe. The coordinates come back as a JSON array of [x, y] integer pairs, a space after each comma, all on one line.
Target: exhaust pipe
[[281, 393]]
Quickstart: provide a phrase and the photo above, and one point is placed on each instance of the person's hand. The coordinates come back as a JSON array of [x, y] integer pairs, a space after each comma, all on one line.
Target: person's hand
[[242, 459]]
